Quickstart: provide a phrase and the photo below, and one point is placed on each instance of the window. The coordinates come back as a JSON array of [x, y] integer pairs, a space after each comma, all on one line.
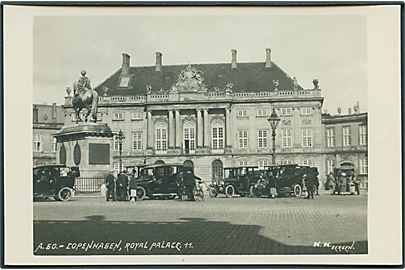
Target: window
[[124, 82], [161, 136], [363, 135], [118, 116], [262, 163], [306, 111], [37, 142], [217, 135], [262, 112], [307, 162], [117, 166], [243, 163], [35, 115], [137, 115], [330, 164], [307, 137], [347, 138], [287, 162], [53, 145], [137, 140], [286, 111], [217, 169], [330, 137], [117, 143], [189, 136], [363, 166], [243, 138], [286, 138], [262, 138], [242, 113]]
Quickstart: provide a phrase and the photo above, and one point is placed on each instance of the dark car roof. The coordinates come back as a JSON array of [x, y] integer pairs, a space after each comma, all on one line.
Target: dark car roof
[[345, 168], [162, 165], [240, 167], [51, 166]]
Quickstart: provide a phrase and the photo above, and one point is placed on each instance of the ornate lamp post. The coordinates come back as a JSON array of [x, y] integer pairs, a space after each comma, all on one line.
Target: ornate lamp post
[[120, 138], [274, 119]]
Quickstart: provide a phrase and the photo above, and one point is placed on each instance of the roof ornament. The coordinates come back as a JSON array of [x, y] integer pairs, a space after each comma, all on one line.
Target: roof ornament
[[276, 84], [84, 97], [356, 107], [339, 110], [295, 83], [68, 91], [148, 89], [228, 88], [105, 90], [188, 80], [316, 84]]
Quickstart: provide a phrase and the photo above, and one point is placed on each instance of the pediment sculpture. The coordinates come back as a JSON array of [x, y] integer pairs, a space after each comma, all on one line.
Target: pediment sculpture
[[189, 80]]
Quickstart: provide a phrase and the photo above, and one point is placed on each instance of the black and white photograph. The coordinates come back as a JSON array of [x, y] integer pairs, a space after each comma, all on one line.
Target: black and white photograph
[[201, 131]]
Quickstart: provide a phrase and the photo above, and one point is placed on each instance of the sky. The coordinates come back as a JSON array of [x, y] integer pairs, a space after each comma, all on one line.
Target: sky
[[331, 48]]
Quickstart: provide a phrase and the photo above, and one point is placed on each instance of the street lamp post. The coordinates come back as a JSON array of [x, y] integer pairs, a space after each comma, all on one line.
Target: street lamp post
[[120, 138], [273, 120]]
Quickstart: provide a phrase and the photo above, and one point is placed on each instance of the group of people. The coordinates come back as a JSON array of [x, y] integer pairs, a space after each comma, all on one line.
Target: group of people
[[309, 185], [121, 188], [342, 183]]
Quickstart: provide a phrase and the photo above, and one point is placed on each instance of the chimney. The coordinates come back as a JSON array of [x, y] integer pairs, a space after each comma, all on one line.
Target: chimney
[[158, 66], [268, 58], [234, 63], [125, 64], [54, 112]]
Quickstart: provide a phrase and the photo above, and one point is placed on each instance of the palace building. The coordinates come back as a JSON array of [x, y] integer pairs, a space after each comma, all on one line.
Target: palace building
[[213, 116]]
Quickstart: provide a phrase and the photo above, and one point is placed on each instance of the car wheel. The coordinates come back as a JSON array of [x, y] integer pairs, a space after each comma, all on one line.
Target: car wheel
[[140, 193], [213, 192], [65, 194], [229, 191], [297, 190]]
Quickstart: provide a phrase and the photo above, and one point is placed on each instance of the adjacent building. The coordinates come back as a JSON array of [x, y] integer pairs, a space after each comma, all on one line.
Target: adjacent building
[[47, 120]]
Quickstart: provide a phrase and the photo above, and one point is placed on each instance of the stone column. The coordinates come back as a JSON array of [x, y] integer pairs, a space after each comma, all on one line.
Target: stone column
[[228, 127], [149, 131], [171, 129], [199, 129], [178, 129], [206, 129]]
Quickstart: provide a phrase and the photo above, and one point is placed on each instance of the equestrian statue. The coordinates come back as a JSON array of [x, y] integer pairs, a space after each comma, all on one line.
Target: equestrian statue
[[84, 97]]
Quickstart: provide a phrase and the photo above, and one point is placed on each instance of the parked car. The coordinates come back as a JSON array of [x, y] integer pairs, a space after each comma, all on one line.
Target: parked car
[[55, 181], [237, 180], [288, 178], [345, 181]]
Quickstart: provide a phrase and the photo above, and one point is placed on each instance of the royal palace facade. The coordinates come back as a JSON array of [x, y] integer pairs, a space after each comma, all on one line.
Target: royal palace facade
[[213, 116]]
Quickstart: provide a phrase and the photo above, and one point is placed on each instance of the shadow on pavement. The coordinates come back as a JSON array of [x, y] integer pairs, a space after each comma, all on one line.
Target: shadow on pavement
[[196, 236]]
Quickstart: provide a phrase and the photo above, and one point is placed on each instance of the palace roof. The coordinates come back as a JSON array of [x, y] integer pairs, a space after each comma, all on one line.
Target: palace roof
[[246, 77]]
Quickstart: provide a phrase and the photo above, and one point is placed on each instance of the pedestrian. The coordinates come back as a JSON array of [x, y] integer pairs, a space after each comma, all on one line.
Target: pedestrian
[[179, 183], [110, 185], [331, 183], [310, 184], [189, 183], [122, 186], [356, 183], [304, 185], [272, 185], [132, 187]]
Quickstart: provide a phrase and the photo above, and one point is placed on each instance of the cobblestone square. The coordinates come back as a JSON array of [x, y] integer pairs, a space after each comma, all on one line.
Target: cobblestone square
[[228, 226]]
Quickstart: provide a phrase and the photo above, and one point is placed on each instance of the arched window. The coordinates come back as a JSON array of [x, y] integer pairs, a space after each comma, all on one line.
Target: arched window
[[159, 162], [161, 136], [189, 137], [217, 169], [217, 135], [188, 163]]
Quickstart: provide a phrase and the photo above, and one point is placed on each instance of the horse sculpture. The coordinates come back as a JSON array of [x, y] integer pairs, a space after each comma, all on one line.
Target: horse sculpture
[[84, 97]]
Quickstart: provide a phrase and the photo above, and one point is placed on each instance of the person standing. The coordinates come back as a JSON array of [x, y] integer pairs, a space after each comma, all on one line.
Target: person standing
[[132, 187], [122, 186], [189, 183], [110, 185], [310, 184]]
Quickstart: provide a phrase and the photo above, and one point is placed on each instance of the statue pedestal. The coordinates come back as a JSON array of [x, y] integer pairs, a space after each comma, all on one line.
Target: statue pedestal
[[88, 146]]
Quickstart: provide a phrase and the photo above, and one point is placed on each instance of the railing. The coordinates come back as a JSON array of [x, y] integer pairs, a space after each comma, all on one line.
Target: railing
[[88, 184]]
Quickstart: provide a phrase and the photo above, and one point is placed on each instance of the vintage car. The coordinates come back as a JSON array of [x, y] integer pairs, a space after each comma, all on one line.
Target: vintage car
[[237, 180], [345, 182], [55, 181], [288, 178]]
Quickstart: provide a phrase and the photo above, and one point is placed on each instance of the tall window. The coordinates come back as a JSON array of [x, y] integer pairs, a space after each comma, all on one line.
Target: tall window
[[217, 135], [330, 164], [363, 135], [363, 166], [243, 138], [286, 137], [116, 143], [307, 162], [217, 169], [53, 145], [161, 136], [307, 137], [347, 136], [137, 140], [37, 143], [330, 137], [262, 138], [287, 162], [35, 115], [189, 136]]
